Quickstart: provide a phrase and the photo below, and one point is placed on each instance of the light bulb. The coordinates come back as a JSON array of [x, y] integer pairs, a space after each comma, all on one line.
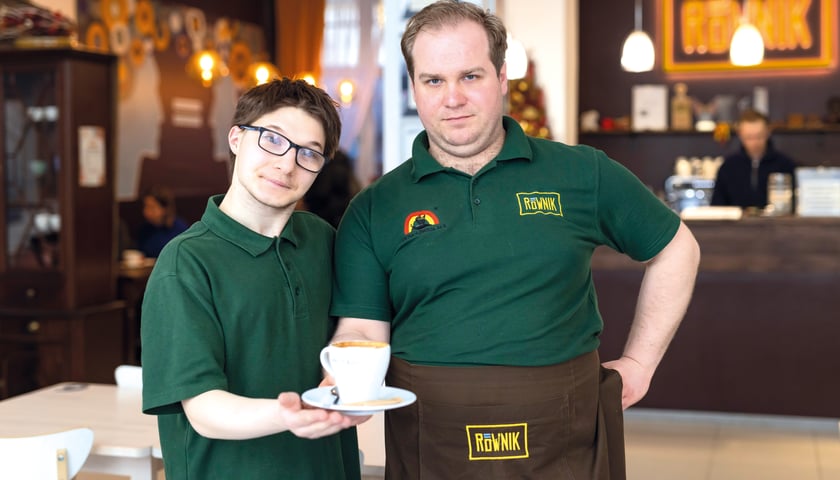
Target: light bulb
[[638, 54], [516, 59], [206, 62], [346, 90], [262, 74], [747, 47]]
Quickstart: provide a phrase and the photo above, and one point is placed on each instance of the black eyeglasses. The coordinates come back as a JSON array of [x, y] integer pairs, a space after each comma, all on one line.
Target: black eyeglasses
[[277, 144]]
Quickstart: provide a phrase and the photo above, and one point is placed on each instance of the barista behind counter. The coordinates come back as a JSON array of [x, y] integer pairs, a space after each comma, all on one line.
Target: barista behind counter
[[742, 179]]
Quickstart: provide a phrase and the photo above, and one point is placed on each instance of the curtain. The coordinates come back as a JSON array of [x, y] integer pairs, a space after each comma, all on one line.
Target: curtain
[[299, 34]]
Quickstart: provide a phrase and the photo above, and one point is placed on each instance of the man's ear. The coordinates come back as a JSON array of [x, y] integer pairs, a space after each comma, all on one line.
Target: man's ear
[[234, 137]]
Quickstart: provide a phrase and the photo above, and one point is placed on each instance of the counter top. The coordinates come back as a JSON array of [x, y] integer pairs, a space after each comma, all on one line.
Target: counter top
[[760, 334], [755, 244]]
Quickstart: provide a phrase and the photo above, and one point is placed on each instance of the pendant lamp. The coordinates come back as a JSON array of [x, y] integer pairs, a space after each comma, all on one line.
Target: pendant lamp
[[638, 55], [747, 47], [516, 59]]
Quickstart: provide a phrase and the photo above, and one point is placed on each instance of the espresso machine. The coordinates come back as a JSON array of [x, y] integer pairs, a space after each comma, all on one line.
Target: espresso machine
[[688, 191]]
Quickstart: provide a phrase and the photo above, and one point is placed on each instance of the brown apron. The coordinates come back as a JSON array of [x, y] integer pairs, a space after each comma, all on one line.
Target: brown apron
[[555, 422]]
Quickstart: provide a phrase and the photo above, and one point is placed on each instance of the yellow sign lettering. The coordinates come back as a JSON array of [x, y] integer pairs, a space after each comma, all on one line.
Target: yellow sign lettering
[[707, 26]]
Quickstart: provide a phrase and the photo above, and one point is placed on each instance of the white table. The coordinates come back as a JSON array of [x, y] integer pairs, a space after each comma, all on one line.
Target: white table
[[125, 440]]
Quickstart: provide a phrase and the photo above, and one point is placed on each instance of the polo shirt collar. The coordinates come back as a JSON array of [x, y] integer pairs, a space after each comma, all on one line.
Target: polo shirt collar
[[236, 233], [516, 146]]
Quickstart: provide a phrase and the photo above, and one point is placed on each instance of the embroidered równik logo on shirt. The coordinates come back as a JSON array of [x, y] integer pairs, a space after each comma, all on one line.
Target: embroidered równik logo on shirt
[[419, 220], [498, 442], [545, 203]]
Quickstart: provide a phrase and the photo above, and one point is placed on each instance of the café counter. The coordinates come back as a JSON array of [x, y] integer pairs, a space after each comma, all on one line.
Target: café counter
[[762, 333]]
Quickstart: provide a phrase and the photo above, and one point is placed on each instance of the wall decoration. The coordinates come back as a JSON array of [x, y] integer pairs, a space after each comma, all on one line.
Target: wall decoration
[[797, 33], [91, 156], [172, 129], [526, 104]]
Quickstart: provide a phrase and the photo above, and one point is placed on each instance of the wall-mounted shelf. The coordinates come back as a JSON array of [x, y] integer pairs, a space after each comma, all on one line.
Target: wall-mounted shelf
[[651, 154]]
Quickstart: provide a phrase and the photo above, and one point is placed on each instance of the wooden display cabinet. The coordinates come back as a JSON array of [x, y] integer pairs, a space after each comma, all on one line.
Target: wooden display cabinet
[[59, 317]]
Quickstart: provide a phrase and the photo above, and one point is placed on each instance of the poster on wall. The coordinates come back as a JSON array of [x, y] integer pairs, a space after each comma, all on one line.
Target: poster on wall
[[171, 126], [91, 156], [797, 34]]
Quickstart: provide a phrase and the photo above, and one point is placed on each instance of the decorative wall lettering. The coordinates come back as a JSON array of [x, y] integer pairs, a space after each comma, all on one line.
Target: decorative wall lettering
[[797, 33]]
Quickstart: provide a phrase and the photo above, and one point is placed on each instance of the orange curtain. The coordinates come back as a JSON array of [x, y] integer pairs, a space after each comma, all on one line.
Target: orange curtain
[[299, 35]]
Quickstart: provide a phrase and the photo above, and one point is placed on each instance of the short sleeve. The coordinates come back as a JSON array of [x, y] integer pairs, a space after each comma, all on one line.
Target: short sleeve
[[182, 341]]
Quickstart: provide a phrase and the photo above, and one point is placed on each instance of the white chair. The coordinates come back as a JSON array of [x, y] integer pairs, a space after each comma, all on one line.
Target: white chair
[[55, 456], [129, 376]]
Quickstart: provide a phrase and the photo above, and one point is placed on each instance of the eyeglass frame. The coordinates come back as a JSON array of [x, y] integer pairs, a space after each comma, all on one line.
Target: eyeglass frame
[[292, 144]]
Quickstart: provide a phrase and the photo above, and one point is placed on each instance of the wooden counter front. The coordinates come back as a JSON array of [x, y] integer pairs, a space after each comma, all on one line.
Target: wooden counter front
[[762, 333]]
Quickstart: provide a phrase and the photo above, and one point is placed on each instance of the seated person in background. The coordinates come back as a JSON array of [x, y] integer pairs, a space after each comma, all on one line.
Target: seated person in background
[[333, 189], [161, 223], [742, 178]]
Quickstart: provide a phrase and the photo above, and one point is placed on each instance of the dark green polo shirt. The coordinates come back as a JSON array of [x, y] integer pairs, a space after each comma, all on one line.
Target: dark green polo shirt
[[229, 309], [493, 269]]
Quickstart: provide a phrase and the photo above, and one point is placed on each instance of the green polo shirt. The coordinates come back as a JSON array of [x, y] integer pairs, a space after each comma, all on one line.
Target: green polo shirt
[[493, 269], [226, 308]]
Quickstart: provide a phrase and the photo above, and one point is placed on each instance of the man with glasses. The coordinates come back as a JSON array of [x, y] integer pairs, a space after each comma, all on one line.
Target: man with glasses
[[236, 309], [276, 144]]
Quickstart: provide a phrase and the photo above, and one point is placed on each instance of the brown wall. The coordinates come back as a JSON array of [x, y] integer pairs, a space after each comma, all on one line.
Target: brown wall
[[605, 87]]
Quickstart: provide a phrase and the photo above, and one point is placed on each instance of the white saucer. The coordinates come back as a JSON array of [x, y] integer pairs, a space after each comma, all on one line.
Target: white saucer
[[322, 398]]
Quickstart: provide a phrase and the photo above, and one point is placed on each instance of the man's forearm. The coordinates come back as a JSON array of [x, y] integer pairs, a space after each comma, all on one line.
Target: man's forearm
[[663, 299]]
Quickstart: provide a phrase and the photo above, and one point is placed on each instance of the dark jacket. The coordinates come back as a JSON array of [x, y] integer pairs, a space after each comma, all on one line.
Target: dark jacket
[[739, 185], [151, 238]]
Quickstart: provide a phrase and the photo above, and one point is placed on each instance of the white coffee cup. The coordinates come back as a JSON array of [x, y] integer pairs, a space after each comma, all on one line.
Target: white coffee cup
[[133, 258], [358, 368]]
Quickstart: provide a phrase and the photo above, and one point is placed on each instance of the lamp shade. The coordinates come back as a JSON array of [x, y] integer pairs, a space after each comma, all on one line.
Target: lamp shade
[[638, 54], [516, 59], [747, 47]]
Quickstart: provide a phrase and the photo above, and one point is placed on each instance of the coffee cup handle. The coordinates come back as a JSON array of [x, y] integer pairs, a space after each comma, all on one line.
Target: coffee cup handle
[[325, 360]]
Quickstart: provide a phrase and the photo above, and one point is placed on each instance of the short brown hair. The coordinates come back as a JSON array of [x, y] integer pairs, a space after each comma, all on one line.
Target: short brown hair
[[750, 115], [448, 13], [166, 199], [286, 92]]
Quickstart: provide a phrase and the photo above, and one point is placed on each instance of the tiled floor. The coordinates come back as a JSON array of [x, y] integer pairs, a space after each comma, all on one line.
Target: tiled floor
[[666, 445], [674, 445]]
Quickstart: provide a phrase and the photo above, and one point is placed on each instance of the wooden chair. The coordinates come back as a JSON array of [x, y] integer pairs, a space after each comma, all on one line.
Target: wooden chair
[[54, 456]]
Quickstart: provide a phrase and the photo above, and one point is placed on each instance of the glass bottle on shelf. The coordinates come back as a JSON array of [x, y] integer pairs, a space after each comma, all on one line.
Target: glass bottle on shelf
[[681, 108]]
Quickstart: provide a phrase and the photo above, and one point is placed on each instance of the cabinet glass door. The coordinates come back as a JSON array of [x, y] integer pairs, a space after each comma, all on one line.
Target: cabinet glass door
[[33, 220]]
